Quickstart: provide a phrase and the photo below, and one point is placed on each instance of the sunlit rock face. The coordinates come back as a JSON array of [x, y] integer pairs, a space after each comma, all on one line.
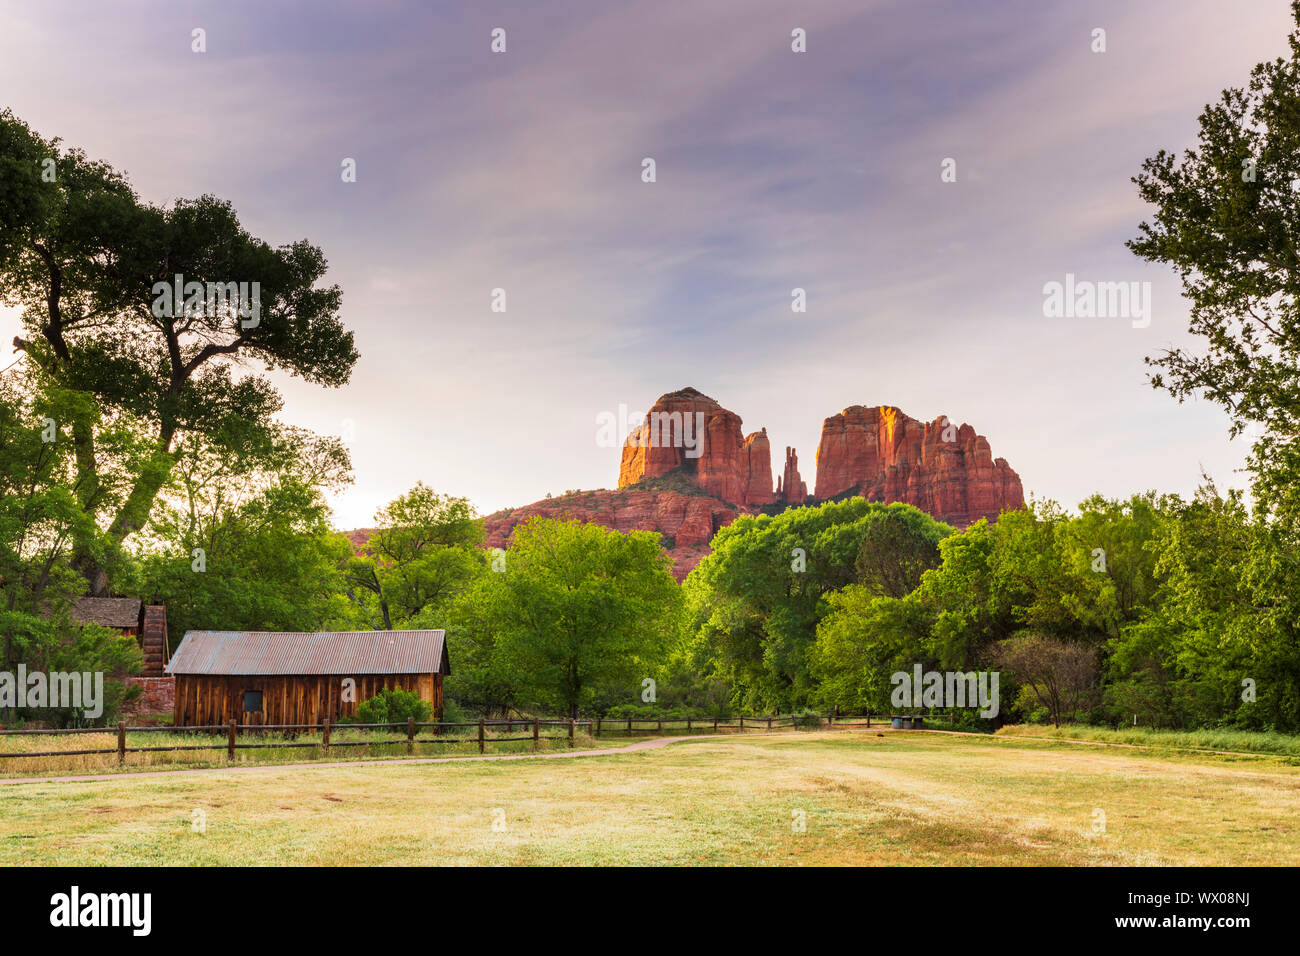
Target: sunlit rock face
[[689, 431], [689, 469], [945, 470]]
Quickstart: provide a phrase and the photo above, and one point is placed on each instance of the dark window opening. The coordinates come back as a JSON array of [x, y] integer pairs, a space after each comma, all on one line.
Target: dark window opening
[[252, 701]]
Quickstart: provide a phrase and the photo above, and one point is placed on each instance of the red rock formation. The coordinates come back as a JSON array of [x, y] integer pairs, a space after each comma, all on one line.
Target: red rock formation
[[944, 470], [716, 472], [687, 521], [790, 488], [687, 430], [758, 469]]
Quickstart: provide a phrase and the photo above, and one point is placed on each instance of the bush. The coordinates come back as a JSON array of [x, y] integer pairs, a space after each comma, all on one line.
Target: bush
[[653, 712], [454, 713], [392, 705]]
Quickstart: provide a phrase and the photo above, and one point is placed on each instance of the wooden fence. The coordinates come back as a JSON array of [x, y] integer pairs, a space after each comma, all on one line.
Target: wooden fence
[[532, 726], [636, 725], [323, 732]]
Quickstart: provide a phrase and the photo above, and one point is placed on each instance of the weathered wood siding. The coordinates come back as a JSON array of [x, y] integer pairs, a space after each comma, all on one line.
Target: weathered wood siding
[[203, 700]]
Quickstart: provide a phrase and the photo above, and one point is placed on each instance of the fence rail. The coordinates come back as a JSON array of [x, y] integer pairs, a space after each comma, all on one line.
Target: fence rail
[[599, 726]]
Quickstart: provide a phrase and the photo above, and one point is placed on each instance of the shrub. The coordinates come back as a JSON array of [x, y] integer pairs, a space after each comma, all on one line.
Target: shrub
[[392, 705], [454, 713]]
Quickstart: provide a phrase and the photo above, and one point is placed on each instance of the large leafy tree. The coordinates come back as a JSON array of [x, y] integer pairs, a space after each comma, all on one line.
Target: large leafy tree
[[1072, 580], [425, 550], [756, 601], [1227, 218], [900, 544], [81, 254], [240, 536], [1223, 645], [41, 524], [580, 607]]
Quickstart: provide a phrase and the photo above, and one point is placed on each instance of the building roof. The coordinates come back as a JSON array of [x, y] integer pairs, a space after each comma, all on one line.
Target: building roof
[[298, 654], [107, 611]]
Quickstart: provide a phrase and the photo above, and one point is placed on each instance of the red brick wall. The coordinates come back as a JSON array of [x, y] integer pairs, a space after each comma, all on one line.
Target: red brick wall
[[157, 697]]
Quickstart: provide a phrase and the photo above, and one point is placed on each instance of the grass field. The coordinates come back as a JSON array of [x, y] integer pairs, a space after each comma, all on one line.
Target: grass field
[[897, 798], [1241, 741]]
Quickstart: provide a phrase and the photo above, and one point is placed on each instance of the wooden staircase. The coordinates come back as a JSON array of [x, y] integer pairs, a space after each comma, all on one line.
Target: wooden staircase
[[153, 638]]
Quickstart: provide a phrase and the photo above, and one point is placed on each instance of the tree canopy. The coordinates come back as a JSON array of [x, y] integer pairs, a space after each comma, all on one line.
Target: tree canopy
[[84, 258]]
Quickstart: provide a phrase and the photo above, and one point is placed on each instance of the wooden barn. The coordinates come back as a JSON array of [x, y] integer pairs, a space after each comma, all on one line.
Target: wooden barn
[[263, 677], [146, 622]]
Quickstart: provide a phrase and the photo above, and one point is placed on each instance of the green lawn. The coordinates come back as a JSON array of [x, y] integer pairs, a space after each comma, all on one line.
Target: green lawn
[[898, 798], [1241, 741]]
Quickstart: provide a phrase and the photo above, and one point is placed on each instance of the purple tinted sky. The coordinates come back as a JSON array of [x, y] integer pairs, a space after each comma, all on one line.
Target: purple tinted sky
[[775, 170]]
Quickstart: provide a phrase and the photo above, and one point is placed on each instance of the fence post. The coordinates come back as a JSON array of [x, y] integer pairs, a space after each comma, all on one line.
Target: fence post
[[121, 741], [595, 728], [688, 725], [769, 723], [480, 735], [868, 717], [660, 728], [230, 749], [572, 724], [742, 723], [410, 735], [537, 727], [326, 736], [629, 726], [715, 725]]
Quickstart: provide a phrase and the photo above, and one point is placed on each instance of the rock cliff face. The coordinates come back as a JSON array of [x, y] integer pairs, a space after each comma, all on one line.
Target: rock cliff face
[[689, 469], [690, 432], [945, 470], [790, 488]]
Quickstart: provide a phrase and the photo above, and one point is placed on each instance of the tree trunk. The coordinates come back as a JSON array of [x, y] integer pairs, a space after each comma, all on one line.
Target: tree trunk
[[134, 512]]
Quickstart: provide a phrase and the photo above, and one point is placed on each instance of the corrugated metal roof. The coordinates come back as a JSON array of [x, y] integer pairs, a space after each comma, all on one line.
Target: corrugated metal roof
[[326, 652], [110, 612]]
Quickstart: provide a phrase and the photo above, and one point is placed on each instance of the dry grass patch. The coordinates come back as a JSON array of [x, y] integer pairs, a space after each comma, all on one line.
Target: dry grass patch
[[899, 799]]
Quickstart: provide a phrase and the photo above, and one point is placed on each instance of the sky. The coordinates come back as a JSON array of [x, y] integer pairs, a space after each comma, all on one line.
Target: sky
[[774, 170]]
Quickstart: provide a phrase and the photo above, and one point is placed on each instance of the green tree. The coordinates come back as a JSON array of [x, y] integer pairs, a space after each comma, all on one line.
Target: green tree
[[1228, 616], [756, 601], [82, 256], [900, 544], [862, 641], [269, 564], [481, 678], [426, 549], [1060, 675], [580, 606], [1227, 219], [41, 523]]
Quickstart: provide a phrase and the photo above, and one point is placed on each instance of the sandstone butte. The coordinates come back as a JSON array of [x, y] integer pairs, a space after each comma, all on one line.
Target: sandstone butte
[[689, 469]]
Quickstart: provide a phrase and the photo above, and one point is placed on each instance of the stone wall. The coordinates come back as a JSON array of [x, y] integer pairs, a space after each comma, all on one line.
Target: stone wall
[[158, 696]]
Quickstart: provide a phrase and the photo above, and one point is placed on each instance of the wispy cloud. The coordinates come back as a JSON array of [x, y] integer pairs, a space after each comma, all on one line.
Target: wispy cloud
[[820, 170]]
